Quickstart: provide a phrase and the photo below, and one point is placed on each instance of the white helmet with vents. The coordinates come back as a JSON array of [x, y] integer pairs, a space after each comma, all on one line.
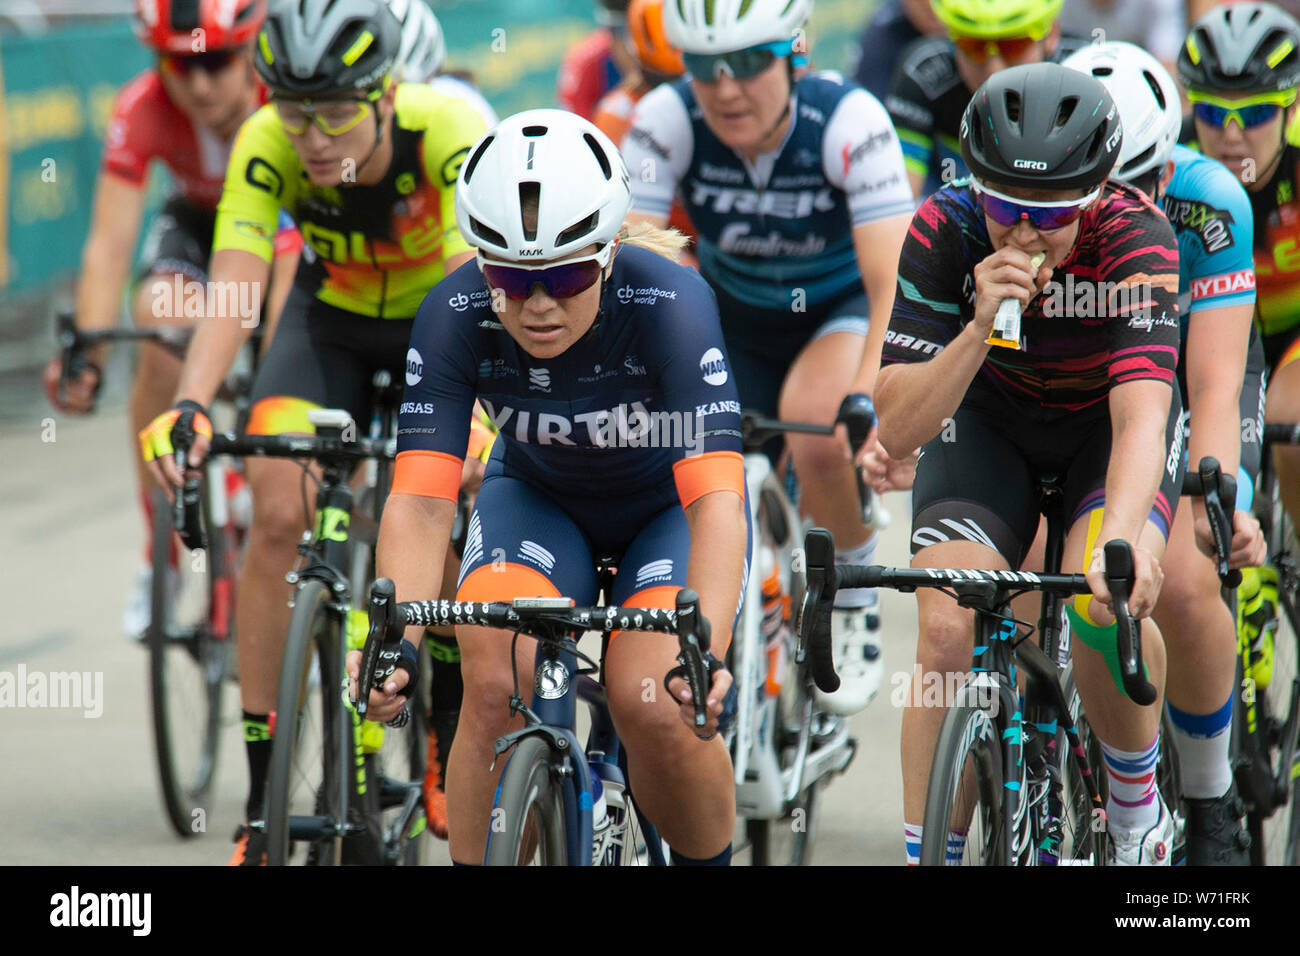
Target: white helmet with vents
[[1150, 110], [724, 26], [576, 173], [424, 49]]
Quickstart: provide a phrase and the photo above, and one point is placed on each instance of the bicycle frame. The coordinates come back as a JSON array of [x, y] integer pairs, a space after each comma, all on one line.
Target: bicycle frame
[[558, 685]]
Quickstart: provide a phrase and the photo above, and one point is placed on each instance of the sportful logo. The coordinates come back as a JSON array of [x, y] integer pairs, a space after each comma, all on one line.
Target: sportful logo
[[713, 367], [533, 552], [414, 367], [660, 570], [539, 378]]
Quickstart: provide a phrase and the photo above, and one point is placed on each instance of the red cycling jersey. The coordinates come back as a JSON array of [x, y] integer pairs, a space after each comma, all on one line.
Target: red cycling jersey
[[587, 73], [146, 125]]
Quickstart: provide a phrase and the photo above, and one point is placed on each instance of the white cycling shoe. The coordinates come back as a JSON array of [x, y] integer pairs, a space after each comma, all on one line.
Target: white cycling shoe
[[1150, 847], [136, 614], [858, 659]]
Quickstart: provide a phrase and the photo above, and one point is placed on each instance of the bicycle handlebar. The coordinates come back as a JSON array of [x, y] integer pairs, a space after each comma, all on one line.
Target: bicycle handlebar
[[1282, 434], [824, 578], [544, 618], [1220, 494]]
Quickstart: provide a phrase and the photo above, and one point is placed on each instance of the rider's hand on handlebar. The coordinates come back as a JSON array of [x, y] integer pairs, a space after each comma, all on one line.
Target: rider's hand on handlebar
[[157, 448], [1148, 577], [883, 473], [681, 692], [82, 386], [385, 702], [1248, 548]]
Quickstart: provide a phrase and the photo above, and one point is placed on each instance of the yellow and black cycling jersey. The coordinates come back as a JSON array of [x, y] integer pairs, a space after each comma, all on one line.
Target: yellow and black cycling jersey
[[373, 250]]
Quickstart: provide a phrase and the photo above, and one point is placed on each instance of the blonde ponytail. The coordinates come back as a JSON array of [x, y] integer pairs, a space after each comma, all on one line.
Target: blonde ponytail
[[667, 242]]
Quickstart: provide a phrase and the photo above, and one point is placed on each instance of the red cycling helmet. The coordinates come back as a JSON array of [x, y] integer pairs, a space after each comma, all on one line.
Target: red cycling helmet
[[172, 26]]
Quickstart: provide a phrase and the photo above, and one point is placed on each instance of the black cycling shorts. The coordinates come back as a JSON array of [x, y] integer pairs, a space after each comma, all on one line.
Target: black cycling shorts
[[323, 357], [977, 479], [179, 241]]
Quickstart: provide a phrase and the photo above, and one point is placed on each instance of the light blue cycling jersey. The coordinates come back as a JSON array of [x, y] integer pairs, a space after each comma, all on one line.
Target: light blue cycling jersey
[[784, 222], [1211, 216]]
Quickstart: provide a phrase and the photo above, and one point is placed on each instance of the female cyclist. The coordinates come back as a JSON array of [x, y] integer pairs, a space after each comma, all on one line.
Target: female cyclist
[[796, 187], [603, 365]]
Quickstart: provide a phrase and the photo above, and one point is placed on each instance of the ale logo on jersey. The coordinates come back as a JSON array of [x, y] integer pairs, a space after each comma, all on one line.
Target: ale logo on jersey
[[414, 367], [713, 367]]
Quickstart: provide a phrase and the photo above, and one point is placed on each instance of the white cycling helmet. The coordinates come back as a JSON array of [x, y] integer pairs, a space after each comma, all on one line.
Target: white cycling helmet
[[423, 48], [723, 26], [580, 179], [1150, 110]]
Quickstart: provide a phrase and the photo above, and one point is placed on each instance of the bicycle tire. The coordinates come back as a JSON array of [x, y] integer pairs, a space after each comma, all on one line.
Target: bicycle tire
[[186, 683], [1278, 833], [307, 728], [965, 789], [529, 811]]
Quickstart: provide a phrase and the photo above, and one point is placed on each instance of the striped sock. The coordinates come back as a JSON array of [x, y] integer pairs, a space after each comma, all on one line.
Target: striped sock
[[912, 843], [864, 553], [1132, 775], [1202, 741], [956, 847]]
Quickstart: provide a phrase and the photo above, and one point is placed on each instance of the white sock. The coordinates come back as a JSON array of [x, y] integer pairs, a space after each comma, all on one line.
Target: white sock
[[1133, 803], [864, 553], [912, 843], [1202, 741]]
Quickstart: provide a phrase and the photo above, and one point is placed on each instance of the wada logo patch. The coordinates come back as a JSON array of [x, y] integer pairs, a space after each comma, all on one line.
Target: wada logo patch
[[414, 367], [713, 367]]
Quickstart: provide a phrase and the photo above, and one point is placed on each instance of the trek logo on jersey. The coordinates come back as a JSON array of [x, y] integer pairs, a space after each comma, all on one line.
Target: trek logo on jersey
[[414, 367], [876, 141], [1226, 284], [783, 205], [1208, 223], [713, 367], [539, 379]]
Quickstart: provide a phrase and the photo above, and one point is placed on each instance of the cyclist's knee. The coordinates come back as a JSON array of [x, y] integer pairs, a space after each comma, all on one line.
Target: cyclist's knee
[[946, 637], [648, 727], [485, 706], [280, 512]]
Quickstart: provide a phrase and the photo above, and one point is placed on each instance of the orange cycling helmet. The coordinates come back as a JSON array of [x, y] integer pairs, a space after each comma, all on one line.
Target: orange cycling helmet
[[645, 21], [198, 26]]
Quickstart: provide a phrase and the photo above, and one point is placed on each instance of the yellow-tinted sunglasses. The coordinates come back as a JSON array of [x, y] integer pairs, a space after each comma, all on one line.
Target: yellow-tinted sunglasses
[[333, 117], [1248, 111]]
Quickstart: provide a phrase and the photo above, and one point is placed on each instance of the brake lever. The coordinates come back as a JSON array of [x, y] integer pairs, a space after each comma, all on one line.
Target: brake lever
[[1128, 632], [859, 415], [693, 645], [381, 652]]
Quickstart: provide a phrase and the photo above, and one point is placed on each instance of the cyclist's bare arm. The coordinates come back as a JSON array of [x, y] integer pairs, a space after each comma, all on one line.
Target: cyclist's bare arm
[[105, 267], [1139, 413], [282, 272], [877, 246], [218, 337], [1216, 361], [913, 400], [413, 538]]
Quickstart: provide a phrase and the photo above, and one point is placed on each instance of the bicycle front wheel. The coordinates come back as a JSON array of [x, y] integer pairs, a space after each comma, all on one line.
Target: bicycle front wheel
[[305, 780], [528, 826], [1278, 836], [187, 666], [964, 801]]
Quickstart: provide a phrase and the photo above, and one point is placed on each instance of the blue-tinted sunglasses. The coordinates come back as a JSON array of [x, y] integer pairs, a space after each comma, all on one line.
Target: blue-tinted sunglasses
[[1043, 216], [739, 64], [1248, 112]]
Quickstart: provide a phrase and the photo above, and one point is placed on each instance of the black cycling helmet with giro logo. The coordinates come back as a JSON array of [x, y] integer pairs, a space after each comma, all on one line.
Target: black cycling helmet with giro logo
[[1041, 126], [1241, 48], [310, 48]]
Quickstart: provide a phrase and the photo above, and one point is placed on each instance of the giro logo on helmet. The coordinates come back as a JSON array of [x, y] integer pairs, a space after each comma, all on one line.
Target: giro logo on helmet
[[1029, 164]]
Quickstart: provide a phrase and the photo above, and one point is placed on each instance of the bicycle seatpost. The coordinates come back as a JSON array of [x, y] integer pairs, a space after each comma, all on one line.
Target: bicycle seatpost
[[1119, 579]]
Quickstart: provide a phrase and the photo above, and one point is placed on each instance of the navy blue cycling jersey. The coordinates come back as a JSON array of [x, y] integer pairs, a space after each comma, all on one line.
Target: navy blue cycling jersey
[[645, 401], [784, 222]]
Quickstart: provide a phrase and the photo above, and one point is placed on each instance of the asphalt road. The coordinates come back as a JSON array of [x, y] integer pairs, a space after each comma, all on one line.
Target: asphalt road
[[81, 783]]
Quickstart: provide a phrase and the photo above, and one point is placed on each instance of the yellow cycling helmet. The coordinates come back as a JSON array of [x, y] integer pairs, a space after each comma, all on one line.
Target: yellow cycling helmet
[[990, 19]]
